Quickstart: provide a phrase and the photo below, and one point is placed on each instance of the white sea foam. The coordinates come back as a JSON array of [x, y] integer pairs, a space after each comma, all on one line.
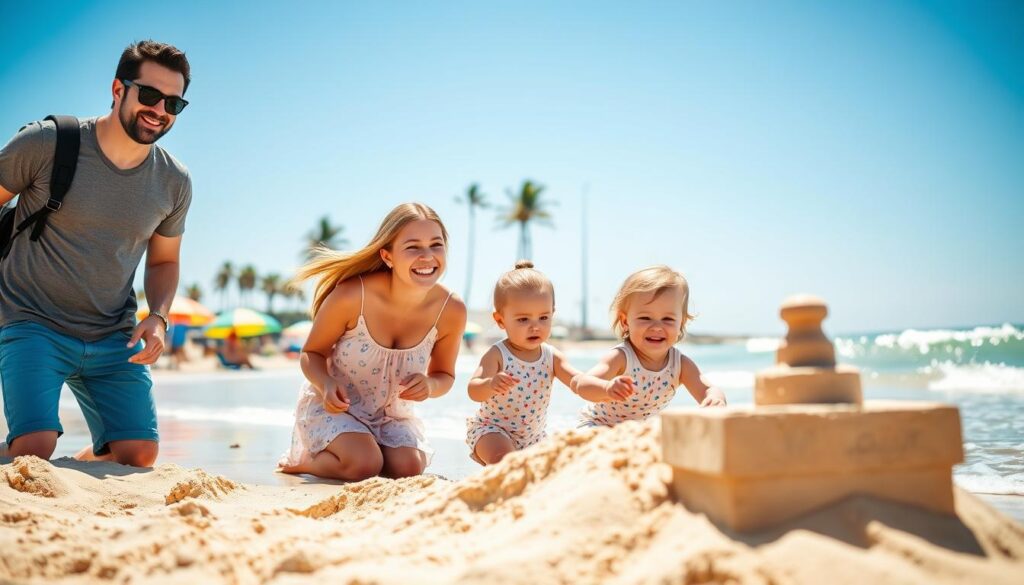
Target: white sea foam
[[762, 344], [924, 340], [986, 377], [250, 415], [991, 484], [726, 379]]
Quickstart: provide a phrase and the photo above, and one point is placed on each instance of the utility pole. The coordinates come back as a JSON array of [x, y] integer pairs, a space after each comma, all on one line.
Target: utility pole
[[584, 330]]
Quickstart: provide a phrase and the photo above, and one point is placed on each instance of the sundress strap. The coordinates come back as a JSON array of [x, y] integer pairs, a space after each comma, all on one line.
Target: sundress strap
[[362, 293], [436, 321]]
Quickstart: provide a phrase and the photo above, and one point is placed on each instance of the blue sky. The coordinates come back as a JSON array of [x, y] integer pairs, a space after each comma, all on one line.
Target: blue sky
[[866, 152]]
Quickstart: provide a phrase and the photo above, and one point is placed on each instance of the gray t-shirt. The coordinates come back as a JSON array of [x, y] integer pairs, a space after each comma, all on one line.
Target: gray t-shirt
[[78, 277]]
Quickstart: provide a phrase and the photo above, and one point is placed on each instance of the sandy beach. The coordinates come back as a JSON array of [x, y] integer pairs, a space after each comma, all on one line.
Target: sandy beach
[[582, 507]]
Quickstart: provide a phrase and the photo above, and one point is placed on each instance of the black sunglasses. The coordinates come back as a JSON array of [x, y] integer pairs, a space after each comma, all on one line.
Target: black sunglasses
[[150, 96]]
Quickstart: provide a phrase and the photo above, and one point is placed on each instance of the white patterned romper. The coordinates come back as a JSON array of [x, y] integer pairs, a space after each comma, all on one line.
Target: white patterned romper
[[370, 373], [654, 390], [521, 413]]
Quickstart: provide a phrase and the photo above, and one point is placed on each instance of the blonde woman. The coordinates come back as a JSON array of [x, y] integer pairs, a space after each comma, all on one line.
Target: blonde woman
[[385, 336], [639, 377]]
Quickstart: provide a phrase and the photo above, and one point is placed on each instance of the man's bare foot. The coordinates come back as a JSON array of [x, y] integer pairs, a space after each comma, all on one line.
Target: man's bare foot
[[86, 454]]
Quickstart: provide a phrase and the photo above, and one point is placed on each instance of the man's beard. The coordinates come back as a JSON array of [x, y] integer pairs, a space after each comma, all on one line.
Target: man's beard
[[136, 131]]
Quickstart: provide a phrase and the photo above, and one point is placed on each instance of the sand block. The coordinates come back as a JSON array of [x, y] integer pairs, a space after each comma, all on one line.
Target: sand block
[[805, 385], [753, 467]]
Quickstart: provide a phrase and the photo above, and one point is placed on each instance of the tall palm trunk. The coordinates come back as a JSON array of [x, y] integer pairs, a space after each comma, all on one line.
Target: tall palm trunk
[[472, 250], [523, 252]]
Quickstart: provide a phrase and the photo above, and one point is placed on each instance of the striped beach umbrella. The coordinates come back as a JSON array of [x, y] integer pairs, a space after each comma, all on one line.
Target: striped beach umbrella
[[243, 322], [298, 330], [184, 311]]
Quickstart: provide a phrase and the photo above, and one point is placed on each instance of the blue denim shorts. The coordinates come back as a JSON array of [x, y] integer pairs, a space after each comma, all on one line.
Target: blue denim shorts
[[115, 396]]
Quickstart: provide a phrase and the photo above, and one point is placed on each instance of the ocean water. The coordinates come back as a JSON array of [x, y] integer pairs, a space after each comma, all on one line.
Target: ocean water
[[238, 423]]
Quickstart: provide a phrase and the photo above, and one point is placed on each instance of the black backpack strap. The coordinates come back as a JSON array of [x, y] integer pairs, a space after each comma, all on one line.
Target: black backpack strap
[[65, 158], [65, 161]]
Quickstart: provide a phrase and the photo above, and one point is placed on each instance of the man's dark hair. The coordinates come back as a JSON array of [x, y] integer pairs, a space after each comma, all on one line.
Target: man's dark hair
[[163, 54]]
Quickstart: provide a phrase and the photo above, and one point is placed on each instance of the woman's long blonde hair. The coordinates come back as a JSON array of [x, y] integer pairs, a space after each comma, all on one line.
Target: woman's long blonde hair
[[332, 266], [654, 279]]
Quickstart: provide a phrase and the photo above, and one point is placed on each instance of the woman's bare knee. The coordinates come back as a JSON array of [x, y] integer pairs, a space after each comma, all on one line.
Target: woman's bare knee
[[404, 463], [360, 467], [358, 456]]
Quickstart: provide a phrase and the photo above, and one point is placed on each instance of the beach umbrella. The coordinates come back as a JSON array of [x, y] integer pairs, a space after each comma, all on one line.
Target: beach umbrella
[[184, 311], [472, 330], [243, 322], [299, 330]]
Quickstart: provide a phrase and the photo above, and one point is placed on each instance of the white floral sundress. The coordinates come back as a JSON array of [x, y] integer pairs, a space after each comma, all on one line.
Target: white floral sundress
[[370, 374]]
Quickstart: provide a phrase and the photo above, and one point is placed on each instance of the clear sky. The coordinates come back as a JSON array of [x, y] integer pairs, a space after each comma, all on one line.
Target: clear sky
[[867, 152]]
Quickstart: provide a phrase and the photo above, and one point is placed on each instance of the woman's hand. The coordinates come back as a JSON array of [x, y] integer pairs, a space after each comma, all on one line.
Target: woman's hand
[[335, 397], [415, 387]]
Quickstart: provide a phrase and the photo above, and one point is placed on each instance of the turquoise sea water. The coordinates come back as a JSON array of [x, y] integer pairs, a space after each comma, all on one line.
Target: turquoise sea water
[[980, 370]]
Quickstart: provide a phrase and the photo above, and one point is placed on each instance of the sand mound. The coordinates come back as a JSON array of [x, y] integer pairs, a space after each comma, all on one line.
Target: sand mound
[[200, 484], [584, 507], [32, 475]]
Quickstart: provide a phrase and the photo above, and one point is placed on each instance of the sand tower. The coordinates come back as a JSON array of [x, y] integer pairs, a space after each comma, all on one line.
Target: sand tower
[[809, 439]]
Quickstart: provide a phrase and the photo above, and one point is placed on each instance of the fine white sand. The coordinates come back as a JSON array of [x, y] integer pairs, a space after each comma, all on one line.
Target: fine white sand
[[584, 507]]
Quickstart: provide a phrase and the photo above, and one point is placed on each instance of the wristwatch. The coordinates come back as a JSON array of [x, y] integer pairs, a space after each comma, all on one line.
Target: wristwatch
[[167, 324]]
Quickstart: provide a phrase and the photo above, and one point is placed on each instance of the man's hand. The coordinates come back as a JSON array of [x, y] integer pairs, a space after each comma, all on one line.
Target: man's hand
[[151, 331]]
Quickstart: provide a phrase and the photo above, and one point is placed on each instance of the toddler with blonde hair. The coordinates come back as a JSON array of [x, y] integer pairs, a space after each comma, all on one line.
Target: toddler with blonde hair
[[639, 377]]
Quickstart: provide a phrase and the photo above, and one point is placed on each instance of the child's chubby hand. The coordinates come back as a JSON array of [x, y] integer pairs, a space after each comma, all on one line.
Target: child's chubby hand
[[502, 382], [714, 397], [619, 388], [335, 397], [415, 387]]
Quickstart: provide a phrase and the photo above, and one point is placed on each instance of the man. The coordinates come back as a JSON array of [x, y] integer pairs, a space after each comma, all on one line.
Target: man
[[67, 307]]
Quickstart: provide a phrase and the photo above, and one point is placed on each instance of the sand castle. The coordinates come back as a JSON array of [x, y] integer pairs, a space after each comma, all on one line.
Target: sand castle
[[809, 440]]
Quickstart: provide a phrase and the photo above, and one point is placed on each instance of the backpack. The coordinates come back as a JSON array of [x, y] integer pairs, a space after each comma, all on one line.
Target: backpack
[[65, 160]]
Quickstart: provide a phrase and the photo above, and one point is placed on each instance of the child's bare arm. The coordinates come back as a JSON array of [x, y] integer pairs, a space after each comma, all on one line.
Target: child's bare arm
[[689, 376], [488, 379], [605, 382], [564, 371]]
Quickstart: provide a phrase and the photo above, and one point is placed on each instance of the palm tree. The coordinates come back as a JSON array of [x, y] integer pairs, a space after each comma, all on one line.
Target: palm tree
[[325, 235], [526, 206], [474, 198], [287, 292], [194, 292], [222, 282], [246, 282], [271, 286]]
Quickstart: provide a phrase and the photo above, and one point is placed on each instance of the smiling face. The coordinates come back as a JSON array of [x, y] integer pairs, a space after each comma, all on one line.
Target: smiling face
[[146, 124], [417, 254], [654, 320], [526, 317]]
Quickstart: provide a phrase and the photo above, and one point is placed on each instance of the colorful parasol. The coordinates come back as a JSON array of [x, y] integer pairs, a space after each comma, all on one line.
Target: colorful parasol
[[184, 311], [243, 322]]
